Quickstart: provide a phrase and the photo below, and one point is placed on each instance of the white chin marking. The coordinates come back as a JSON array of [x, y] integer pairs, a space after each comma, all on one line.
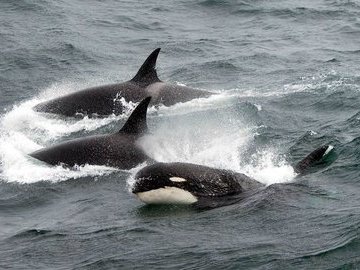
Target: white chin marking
[[167, 195], [177, 179], [328, 150]]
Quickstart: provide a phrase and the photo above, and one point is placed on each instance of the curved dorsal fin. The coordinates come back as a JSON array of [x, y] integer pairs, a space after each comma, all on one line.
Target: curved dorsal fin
[[136, 123], [147, 72]]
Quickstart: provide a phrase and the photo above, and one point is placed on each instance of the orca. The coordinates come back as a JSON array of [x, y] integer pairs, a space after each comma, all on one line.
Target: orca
[[202, 186], [105, 100], [120, 150]]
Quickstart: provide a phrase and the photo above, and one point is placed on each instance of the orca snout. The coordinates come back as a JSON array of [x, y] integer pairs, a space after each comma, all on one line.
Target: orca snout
[[144, 184], [148, 179]]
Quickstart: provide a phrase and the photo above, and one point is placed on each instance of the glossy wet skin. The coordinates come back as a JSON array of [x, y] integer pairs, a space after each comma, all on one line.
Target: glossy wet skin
[[201, 181], [186, 183], [102, 100], [105, 100], [119, 150], [115, 150]]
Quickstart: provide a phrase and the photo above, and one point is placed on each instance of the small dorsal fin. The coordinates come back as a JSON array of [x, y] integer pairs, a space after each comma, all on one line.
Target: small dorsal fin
[[313, 158], [147, 72], [136, 123]]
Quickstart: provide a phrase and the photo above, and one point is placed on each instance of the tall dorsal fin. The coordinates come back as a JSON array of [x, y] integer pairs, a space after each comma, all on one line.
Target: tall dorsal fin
[[147, 73], [136, 123]]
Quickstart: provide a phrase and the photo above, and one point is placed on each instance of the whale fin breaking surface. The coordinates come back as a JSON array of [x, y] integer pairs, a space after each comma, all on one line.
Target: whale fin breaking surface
[[313, 158], [147, 72], [136, 124]]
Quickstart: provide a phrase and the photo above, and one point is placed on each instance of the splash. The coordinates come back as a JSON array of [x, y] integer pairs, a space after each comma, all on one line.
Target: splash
[[268, 168], [47, 127], [22, 131], [216, 143], [209, 131], [225, 152], [219, 101], [132, 172], [17, 166]]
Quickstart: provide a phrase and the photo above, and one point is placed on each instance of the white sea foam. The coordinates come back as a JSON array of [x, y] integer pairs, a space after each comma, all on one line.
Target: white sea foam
[[218, 141], [226, 152], [17, 166], [269, 168], [305, 85], [41, 126], [196, 105], [22, 131], [216, 144]]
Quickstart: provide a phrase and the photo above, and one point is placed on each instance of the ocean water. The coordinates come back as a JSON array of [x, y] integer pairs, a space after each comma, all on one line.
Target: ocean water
[[287, 78]]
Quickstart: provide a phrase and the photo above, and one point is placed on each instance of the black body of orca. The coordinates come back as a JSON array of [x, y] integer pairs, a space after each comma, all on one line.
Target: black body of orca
[[105, 100], [186, 183], [116, 150]]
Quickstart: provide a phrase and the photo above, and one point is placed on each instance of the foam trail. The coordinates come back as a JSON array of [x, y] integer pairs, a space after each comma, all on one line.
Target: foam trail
[[17, 166], [45, 127], [22, 131], [196, 105]]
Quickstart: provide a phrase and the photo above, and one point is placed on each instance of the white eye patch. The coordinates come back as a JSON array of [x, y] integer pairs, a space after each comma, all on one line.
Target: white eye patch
[[177, 179]]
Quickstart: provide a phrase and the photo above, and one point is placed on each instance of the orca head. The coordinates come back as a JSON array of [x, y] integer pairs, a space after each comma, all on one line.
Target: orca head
[[157, 184], [186, 183]]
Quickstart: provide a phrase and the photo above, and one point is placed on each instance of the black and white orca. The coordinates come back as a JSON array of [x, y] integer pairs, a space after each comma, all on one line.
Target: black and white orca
[[119, 150], [186, 183], [104, 100]]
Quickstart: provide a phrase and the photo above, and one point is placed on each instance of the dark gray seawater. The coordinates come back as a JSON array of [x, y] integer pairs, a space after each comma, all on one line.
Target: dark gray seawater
[[288, 74]]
